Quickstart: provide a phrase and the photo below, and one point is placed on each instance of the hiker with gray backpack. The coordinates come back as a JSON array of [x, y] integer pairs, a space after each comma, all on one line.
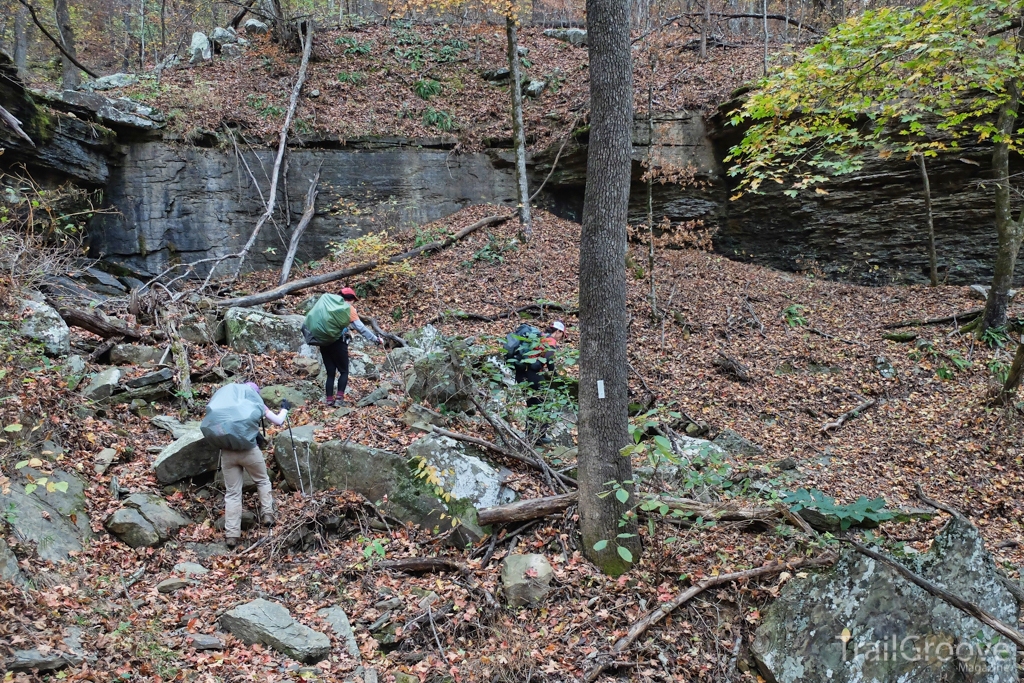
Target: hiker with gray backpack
[[232, 424], [532, 355], [326, 325]]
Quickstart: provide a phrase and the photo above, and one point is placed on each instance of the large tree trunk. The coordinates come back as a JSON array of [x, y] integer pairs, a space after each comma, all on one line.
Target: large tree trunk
[[21, 40], [518, 134], [604, 420], [71, 77]]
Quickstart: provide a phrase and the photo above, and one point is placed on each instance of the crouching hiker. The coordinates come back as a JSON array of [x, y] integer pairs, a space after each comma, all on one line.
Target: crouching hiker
[[532, 356], [232, 424], [326, 326]]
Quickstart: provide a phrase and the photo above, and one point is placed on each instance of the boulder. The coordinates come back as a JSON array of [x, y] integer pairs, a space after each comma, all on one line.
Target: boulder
[[53, 521], [231, 50], [165, 519], [574, 36], [171, 585], [104, 459], [188, 456], [48, 660], [255, 27], [132, 528], [224, 36], [190, 569], [496, 75], [980, 292], [361, 365], [736, 445], [462, 472], [9, 569], [422, 418], [118, 80], [336, 617], [171, 424], [562, 430], [427, 339], [252, 331], [274, 394], [199, 50], [43, 324], [436, 379], [197, 330], [135, 354], [525, 579], [863, 622], [403, 357], [534, 88], [150, 378], [269, 623], [293, 451]]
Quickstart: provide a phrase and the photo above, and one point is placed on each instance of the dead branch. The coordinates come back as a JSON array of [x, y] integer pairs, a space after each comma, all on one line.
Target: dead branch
[[298, 285], [537, 464], [651, 618], [936, 504], [554, 164], [848, 415], [240, 14], [538, 308], [525, 510], [15, 125], [964, 317], [307, 215], [794, 519], [964, 606], [97, 323], [420, 565], [826, 335], [732, 367], [281, 145], [386, 335], [59, 44]]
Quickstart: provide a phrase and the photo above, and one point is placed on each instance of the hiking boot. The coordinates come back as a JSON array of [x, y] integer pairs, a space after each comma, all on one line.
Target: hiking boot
[[330, 401], [231, 542], [268, 521]]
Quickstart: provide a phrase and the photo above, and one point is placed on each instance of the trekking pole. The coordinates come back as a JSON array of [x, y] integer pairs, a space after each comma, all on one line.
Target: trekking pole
[[295, 455]]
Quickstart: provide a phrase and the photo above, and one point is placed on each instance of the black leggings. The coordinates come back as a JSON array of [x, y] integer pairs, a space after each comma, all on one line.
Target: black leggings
[[336, 360]]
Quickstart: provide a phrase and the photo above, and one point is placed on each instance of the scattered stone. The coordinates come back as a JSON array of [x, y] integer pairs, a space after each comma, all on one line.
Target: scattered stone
[[231, 363], [803, 633], [52, 660], [231, 50], [308, 366], [574, 36], [197, 330], [526, 579], [389, 604], [142, 408], [188, 456], [313, 94], [132, 528], [190, 569], [736, 445], [202, 641], [786, 465], [496, 75], [9, 569], [104, 459], [248, 520], [403, 357], [54, 522], [336, 617], [206, 551], [150, 378], [980, 292], [375, 396], [427, 598], [43, 324], [135, 354], [165, 519], [171, 424], [884, 367], [361, 365], [562, 430], [273, 395], [535, 88], [224, 36], [422, 418], [269, 623], [146, 520], [252, 331], [436, 379], [171, 585], [76, 366], [118, 80], [199, 49], [255, 27]]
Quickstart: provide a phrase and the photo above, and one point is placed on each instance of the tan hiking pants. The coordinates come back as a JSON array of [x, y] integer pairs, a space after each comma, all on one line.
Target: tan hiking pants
[[235, 464]]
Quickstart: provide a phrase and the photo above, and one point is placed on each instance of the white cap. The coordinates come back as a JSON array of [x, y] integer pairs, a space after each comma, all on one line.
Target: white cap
[[558, 325]]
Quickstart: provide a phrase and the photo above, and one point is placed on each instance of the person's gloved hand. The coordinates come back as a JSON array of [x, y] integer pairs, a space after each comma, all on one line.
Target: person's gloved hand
[[380, 341], [286, 404]]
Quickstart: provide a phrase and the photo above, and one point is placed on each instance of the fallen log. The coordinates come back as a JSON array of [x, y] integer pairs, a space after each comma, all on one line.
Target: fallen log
[[848, 415], [539, 308], [525, 510], [97, 323], [316, 280], [639, 628], [386, 335], [420, 565], [964, 317]]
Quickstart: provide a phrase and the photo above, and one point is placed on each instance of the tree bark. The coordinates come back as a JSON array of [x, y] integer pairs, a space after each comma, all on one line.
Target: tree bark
[[1016, 370], [525, 510], [307, 216], [1008, 231], [54, 39], [71, 77], [705, 29], [604, 419], [933, 266], [21, 40], [518, 133]]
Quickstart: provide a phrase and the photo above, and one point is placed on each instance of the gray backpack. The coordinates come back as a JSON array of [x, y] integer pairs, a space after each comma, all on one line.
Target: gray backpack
[[232, 419]]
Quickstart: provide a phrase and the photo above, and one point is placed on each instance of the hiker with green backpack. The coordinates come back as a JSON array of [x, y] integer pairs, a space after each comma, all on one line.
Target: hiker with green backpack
[[532, 355], [326, 326], [232, 424]]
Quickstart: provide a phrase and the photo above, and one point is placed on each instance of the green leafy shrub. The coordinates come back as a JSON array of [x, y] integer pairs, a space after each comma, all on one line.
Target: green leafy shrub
[[425, 88], [794, 315], [353, 46], [860, 510], [439, 119], [351, 77]]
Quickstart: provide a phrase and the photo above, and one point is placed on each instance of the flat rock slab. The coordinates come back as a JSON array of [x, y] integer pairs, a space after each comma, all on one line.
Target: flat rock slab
[[202, 641], [171, 585], [190, 569], [26, 660], [525, 579], [269, 623], [188, 456], [336, 617]]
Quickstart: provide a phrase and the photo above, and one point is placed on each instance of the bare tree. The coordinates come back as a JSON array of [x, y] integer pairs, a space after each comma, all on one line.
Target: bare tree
[[71, 77], [21, 39], [933, 266], [603, 391], [518, 134]]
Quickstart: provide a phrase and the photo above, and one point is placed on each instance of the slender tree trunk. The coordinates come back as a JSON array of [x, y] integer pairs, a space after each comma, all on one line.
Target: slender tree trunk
[[650, 190], [933, 266], [764, 8], [21, 26], [163, 27], [126, 54], [1008, 231], [1016, 370], [604, 418], [518, 134], [142, 35], [307, 215], [71, 77], [705, 29]]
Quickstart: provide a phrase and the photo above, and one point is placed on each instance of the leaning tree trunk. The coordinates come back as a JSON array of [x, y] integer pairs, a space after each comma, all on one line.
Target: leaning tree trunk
[[604, 418], [71, 77], [1008, 231], [518, 134]]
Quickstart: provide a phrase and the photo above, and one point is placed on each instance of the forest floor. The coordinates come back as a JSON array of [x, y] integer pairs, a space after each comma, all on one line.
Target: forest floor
[[423, 81], [813, 349]]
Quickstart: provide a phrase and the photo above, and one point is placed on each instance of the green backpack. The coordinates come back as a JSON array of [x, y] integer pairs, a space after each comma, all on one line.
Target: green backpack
[[325, 321]]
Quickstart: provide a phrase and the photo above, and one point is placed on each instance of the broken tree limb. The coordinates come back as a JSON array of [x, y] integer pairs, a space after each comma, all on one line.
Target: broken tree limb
[[936, 504], [483, 443], [316, 280], [538, 308], [14, 124], [307, 215], [59, 44], [240, 14], [525, 510], [281, 145], [419, 565], [651, 618], [97, 323], [964, 606], [386, 335], [964, 317], [826, 335], [732, 367], [848, 415]]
